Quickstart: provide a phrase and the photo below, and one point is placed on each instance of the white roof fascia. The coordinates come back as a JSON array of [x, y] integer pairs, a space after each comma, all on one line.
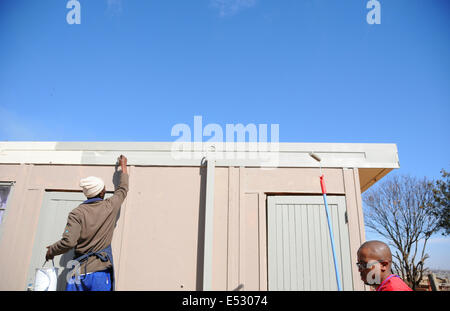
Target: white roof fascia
[[359, 155]]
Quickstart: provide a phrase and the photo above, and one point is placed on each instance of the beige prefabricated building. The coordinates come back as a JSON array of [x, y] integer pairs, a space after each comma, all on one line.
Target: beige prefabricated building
[[198, 216]]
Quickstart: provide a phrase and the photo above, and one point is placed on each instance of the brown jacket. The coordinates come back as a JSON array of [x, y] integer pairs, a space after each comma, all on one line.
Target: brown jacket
[[90, 228]]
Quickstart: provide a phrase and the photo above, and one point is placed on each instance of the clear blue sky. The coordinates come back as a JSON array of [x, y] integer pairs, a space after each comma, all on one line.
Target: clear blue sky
[[134, 68]]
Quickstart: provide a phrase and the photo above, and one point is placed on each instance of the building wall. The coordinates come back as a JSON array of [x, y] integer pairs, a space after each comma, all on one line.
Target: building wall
[[158, 241]]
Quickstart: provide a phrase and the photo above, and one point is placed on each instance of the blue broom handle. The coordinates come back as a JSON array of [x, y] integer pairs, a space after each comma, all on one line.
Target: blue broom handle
[[332, 244]]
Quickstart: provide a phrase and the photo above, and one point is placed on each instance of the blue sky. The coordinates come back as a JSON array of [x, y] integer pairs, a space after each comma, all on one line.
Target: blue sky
[[133, 69]]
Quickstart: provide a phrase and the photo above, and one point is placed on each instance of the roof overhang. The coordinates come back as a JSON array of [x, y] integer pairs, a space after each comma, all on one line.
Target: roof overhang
[[373, 160]]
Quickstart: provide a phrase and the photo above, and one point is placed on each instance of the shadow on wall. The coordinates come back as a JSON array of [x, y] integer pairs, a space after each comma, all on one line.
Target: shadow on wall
[[62, 278], [201, 229]]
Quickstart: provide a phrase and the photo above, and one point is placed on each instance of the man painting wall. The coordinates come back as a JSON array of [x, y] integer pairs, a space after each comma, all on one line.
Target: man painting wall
[[89, 230]]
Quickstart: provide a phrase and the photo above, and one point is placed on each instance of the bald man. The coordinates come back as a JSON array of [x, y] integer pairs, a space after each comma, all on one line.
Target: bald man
[[374, 264]]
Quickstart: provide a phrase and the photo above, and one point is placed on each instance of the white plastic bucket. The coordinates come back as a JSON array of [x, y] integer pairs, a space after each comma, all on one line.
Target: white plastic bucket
[[46, 279]]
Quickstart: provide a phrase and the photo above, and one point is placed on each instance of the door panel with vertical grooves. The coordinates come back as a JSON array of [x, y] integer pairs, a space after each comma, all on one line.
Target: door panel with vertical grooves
[[299, 247]]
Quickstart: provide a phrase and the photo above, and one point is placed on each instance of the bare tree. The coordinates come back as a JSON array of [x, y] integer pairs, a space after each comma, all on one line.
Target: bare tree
[[397, 210]]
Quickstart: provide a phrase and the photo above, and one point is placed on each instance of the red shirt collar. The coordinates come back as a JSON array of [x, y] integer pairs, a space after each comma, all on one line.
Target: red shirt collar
[[385, 281]]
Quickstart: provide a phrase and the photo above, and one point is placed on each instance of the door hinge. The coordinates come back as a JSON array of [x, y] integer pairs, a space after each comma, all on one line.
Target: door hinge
[[346, 217]]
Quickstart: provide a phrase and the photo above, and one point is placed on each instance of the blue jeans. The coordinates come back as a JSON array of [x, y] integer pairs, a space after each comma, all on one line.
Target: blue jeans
[[96, 281]]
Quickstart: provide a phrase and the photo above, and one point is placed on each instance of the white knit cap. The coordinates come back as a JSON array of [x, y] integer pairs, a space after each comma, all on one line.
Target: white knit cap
[[92, 186]]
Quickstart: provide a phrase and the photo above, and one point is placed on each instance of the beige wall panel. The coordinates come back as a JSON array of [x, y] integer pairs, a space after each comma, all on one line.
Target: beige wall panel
[[9, 172], [13, 275], [233, 229], [66, 177], [293, 180], [362, 230], [250, 273], [355, 221], [162, 229], [220, 244], [262, 242]]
